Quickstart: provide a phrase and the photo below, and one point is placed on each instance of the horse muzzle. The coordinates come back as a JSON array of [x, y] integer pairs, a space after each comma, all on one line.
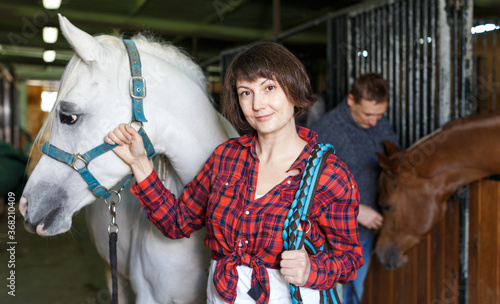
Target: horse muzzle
[[44, 219], [389, 256]]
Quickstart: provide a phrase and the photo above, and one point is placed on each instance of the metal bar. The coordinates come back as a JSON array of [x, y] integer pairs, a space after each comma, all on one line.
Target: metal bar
[[350, 52], [444, 64], [391, 57], [397, 72], [434, 70], [467, 55], [374, 39], [331, 76], [455, 112], [357, 46], [362, 45], [425, 68], [344, 76], [404, 56], [417, 83], [384, 66], [474, 96], [493, 72]]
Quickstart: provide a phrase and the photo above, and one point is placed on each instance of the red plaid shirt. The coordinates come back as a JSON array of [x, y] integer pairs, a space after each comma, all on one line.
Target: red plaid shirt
[[244, 231]]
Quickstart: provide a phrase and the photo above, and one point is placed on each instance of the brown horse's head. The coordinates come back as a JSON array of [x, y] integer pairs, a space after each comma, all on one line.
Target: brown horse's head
[[411, 205]]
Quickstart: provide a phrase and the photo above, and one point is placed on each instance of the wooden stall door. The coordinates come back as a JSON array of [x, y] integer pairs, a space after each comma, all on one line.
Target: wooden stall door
[[432, 272], [431, 275], [484, 242]]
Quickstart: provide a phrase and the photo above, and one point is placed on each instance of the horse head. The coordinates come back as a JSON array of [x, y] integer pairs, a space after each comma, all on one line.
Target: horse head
[[409, 213], [93, 98]]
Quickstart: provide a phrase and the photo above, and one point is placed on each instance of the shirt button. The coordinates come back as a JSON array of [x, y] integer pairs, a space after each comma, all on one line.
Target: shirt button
[[288, 182], [250, 189], [226, 184], [247, 212], [246, 241]]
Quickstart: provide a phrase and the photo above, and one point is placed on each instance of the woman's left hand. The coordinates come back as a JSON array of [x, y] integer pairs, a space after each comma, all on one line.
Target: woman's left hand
[[295, 266]]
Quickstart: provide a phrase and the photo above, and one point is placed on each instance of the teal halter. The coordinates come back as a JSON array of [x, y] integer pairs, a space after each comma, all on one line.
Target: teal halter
[[79, 161]]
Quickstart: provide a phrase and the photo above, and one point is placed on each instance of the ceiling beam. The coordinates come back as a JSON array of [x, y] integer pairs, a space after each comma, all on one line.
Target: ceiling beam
[[139, 4], [173, 27], [30, 72]]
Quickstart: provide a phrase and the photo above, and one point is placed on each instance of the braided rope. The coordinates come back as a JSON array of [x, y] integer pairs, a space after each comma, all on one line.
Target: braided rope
[[301, 205]]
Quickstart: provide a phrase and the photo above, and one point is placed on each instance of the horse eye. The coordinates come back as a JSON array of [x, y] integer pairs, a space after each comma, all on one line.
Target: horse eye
[[387, 207], [68, 119]]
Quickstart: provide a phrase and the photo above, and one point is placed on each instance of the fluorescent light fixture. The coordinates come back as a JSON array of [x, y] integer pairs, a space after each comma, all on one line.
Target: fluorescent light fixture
[[49, 55], [50, 34], [48, 100], [478, 29], [51, 4]]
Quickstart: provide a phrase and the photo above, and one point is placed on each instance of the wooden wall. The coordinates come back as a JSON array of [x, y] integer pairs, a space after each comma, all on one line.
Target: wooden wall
[[484, 242], [431, 275]]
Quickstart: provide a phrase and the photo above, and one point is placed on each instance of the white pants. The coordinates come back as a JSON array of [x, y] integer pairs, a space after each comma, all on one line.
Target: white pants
[[279, 288]]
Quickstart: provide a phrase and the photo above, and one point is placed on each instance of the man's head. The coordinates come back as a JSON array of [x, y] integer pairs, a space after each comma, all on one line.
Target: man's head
[[368, 99]]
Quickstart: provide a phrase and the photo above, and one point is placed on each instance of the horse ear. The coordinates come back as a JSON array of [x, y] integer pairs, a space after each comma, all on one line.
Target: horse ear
[[390, 147], [86, 46], [385, 163]]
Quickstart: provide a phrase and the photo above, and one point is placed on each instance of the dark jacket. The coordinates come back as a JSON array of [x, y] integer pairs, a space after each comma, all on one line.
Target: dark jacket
[[357, 147]]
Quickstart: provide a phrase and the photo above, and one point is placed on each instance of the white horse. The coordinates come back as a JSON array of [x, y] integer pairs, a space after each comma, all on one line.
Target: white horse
[[183, 126]]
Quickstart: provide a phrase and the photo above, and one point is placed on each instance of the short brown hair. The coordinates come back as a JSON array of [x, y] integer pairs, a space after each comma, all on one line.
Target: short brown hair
[[370, 86], [272, 61]]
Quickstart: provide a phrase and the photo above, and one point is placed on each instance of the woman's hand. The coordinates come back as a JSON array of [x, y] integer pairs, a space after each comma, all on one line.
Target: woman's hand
[[130, 149], [295, 266]]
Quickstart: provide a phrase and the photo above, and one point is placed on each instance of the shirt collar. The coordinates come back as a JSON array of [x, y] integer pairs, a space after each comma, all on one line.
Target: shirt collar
[[249, 141]]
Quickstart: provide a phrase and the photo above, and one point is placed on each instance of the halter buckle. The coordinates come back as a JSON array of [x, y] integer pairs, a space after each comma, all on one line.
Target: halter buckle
[[78, 157], [141, 88]]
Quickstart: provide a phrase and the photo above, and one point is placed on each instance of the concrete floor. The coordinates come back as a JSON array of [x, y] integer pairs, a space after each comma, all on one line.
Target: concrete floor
[[59, 269]]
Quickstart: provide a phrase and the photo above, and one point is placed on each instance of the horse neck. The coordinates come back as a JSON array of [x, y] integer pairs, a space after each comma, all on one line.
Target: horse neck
[[188, 134], [458, 155]]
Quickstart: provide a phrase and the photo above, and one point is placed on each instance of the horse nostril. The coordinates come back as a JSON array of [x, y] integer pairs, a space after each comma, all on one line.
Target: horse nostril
[[23, 206], [394, 259]]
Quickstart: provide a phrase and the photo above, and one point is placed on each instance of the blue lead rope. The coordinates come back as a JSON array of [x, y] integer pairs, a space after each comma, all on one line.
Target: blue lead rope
[[299, 212]]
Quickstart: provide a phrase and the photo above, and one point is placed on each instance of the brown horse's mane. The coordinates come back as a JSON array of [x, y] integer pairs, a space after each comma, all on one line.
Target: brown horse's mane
[[476, 119], [442, 139]]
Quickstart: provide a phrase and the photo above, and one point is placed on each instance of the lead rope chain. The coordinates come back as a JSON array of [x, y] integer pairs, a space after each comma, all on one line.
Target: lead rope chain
[[113, 236], [301, 207]]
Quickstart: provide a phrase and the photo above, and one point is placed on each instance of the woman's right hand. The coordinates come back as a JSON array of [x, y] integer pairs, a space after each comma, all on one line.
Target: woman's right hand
[[130, 149]]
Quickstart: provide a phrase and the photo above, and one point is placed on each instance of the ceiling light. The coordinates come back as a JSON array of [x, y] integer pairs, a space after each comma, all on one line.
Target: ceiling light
[[51, 4], [50, 34], [478, 29], [49, 55]]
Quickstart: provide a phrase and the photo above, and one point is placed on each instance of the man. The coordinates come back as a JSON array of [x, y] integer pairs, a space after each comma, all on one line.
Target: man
[[356, 128]]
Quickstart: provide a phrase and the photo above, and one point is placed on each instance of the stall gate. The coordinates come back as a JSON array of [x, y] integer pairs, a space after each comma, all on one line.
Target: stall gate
[[9, 109]]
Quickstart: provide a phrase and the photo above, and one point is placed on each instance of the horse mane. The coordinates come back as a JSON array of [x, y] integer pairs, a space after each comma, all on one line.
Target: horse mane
[[146, 44], [475, 119]]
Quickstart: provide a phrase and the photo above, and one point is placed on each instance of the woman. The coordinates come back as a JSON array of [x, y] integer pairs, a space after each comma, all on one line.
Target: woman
[[245, 189]]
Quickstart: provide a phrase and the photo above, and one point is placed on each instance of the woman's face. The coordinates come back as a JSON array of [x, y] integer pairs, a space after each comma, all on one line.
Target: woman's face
[[265, 105]]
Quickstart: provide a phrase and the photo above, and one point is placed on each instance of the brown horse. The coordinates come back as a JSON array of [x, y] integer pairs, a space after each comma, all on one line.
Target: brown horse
[[415, 184]]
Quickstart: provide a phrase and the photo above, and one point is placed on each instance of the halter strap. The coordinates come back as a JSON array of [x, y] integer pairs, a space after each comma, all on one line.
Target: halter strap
[[137, 85], [72, 160]]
